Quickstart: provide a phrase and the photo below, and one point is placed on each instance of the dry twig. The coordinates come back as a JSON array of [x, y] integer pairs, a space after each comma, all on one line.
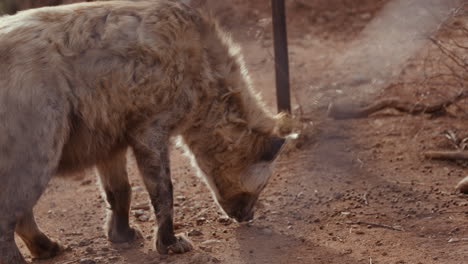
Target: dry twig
[[376, 225]]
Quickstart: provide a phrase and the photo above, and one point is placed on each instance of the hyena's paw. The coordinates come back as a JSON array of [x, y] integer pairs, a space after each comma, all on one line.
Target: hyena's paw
[[124, 235], [181, 245], [45, 248]]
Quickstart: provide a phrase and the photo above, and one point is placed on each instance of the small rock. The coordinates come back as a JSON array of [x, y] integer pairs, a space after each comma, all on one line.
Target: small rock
[[143, 218], [138, 212], [87, 261], [137, 188], [90, 250], [225, 220], [84, 243], [141, 206], [114, 258], [195, 232], [201, 221]]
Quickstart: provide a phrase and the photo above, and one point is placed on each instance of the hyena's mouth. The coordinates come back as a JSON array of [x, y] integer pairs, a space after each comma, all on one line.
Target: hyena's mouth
[[243, 217], [241, 207]]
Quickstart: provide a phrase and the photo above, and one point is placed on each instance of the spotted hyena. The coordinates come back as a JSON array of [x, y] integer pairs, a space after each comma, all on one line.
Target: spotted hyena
[[80, 84]]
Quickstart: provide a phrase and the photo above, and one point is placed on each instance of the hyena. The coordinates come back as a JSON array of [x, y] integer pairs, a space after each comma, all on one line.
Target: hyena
[[80, 84]]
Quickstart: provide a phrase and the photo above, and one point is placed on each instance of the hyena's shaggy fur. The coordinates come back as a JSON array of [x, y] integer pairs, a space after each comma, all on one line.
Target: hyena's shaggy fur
[[80, 84]]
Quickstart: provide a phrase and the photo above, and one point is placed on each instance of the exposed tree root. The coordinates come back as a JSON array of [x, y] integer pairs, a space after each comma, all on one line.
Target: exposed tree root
[[410, 107]]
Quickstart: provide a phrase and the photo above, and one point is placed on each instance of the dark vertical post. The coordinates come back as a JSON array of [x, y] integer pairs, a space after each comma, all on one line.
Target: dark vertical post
[[281, 56]]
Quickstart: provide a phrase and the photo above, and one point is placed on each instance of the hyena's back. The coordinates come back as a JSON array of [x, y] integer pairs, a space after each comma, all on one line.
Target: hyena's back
[[56, 61]]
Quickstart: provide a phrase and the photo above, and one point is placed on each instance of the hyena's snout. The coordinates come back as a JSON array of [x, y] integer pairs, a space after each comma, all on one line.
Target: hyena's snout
[[241, 207]]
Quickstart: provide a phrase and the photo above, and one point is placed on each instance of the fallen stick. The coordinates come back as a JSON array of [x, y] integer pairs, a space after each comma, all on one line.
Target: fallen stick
[[410, 107], [375, 225], [448, 155]]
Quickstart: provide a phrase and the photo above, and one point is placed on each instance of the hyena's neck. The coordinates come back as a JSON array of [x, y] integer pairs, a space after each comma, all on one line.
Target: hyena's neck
[[233, 126]]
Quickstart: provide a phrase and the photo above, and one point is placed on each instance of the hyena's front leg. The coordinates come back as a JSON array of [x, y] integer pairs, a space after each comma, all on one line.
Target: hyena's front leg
[[114, 181], [152, 156]]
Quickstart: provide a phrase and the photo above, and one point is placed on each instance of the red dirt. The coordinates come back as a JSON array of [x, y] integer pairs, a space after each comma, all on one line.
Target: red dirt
[[358, 191]]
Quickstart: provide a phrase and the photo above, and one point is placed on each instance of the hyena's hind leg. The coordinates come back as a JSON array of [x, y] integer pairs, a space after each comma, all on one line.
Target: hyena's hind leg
[[114, 181], [24, 175], [38, 243], [9, 252], [32, 135]]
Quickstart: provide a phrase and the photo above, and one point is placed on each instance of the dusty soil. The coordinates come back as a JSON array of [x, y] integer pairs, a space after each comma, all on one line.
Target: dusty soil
[[357, 191]]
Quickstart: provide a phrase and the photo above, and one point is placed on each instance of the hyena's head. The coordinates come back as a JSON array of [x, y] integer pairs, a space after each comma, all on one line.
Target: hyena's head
[[238, 191], [238, 173]]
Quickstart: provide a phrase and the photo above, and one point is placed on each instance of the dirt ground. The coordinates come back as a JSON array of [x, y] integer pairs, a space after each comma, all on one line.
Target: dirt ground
[[357, 191]]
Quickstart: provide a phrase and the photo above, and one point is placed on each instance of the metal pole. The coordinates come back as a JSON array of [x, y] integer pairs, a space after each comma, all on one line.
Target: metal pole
[[281, 56]]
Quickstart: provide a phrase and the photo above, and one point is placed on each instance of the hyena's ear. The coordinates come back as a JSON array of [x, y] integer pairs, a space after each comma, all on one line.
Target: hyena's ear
[[273, 149]]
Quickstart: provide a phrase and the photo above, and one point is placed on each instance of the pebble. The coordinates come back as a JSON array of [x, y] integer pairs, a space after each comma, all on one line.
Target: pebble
[[195, 232], [138, 212], [201, 221], [143, 218], [211, 242], [90, 250], [114, 258], [225, 220], [85, 242], [141, 206], [137, 188], [87, 261]]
